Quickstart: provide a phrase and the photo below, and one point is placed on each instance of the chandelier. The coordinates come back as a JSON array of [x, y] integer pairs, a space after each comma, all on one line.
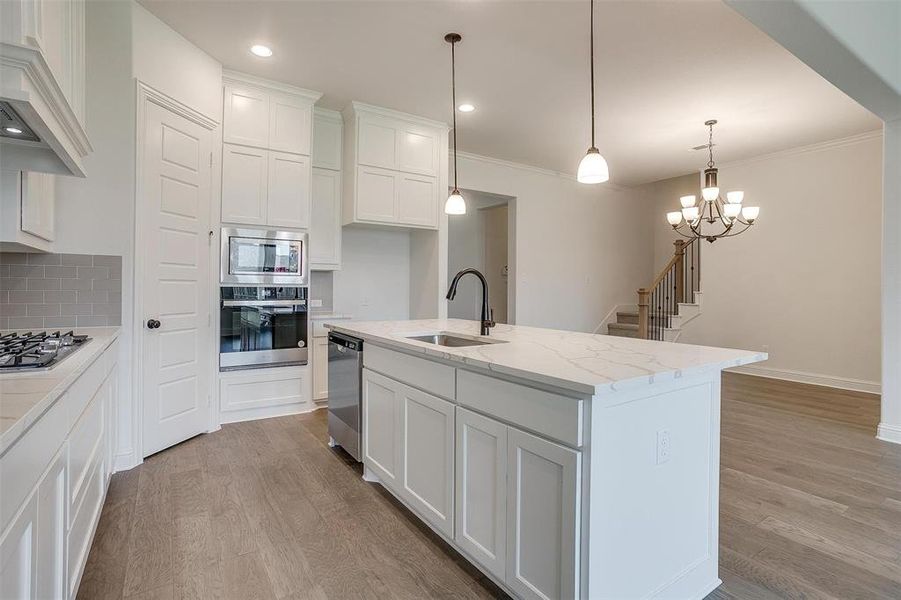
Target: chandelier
[[713, 218]]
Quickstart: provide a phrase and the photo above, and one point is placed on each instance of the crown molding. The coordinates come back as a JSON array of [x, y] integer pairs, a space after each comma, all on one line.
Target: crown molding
[[356, 107], [533, 169], [818, 147], [235, 77], [328, 114]]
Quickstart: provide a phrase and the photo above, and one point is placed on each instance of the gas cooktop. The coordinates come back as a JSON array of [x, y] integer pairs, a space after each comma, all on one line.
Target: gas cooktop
[[37, 351]]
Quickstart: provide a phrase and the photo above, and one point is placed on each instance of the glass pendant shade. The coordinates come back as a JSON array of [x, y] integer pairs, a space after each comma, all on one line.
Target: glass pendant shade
[[732, 210], [750, 213], [688, 201], [710, 193], [455, 204], [735, 197], [674, 218], [691, 213], [593, 168]]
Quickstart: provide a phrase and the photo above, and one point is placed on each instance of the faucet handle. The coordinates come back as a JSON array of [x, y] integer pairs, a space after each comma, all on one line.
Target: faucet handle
[[491, 322]]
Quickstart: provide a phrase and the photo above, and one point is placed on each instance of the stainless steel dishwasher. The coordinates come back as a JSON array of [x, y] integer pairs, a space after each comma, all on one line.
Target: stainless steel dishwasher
[[345, 392]]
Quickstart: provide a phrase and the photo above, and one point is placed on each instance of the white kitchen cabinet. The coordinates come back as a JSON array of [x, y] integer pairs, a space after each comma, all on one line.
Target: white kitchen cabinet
[[427, 442], [481, 490], [416, 200], [543, 504], [245, 177], [290, 123], [328, 131], [395, 168], [27, 210], [246, 116], [382, 428], [44, 81], [376, 195], [288, 190], [18, 572], [325, 220], [262, 393], [320, 368], [50, 547]]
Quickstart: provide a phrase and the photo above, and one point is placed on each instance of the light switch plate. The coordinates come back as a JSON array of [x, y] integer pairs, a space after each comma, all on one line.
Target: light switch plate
[[664, 446]]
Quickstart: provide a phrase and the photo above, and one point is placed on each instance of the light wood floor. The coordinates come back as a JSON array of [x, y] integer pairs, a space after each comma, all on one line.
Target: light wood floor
[[810, 508]]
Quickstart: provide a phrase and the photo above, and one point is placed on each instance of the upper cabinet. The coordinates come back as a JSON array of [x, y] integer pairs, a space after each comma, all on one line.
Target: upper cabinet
[[42, 78], [325, 213], [27, 215], [266, 163], [395, 168]]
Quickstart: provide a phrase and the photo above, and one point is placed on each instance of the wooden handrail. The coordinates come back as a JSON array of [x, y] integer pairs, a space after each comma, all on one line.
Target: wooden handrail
[[675, 268]]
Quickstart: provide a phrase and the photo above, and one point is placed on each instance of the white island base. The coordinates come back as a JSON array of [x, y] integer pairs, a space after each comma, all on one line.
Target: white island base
[[562, 465]]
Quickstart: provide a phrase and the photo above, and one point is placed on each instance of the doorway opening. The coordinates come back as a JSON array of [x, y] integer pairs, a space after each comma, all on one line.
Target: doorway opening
[[484, 239]]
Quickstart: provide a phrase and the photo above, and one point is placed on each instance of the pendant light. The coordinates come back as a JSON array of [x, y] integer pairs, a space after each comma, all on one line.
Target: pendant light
[[593, 168], [455, 204]]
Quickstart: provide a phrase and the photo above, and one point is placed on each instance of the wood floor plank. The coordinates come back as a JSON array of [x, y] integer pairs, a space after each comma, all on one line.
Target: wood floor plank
[[810, 508]]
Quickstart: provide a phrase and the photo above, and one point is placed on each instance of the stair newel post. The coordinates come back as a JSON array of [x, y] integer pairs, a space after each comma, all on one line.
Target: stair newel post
[[643, 308], [680, 272]]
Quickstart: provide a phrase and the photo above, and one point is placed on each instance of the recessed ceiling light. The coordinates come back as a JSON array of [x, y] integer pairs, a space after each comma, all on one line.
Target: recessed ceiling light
[[13, 130], [466, 108], [262, 51]]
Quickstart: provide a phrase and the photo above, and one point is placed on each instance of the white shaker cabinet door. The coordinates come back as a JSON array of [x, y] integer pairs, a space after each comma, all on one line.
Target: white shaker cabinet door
[[244, 185], [428, 450], [38, 204], [327, 139], [418, 150], [290, 124], [377, 142], [542, 517], [17, 554], [325, 219], [320, 368], [376, 195], [50, 554], [481, 490], [417, 200], [382, 428], [288, 189], [246, 117]]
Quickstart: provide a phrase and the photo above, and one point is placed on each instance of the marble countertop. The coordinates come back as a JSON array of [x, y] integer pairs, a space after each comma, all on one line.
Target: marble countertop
[[581, 362], [25, 396], [327, 314]]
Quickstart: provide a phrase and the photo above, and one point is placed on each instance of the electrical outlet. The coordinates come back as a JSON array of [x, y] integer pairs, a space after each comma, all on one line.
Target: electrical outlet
[[316, 303], [664, 446], [364, 301]]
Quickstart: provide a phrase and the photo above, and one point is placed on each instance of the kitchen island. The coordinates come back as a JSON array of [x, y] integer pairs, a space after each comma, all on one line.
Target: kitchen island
[[561, 464]]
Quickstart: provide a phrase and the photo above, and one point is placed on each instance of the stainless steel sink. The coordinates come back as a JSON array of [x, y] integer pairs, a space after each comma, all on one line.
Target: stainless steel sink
[[451, 341]]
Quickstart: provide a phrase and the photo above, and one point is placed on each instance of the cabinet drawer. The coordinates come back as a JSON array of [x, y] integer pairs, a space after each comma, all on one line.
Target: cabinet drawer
[[83, 446], [263, 388], [28, 457], [551, 415], [85, 387], [424, 374]]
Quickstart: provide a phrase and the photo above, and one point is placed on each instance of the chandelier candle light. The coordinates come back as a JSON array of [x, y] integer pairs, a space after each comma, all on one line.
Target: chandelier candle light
[[455, 204], [713, 218]]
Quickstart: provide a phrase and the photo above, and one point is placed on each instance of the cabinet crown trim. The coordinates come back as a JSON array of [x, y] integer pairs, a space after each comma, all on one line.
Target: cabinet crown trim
[[328, 114], [236, 78], [356, 108]]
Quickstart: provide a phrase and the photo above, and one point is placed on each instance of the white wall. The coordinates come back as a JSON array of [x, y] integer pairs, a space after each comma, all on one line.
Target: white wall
[[374, 281], [174, 66], [804, 282], [580, 250]]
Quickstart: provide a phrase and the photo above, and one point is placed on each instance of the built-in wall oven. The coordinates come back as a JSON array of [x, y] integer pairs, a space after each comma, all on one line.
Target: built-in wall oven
[[263, 257], [262, 326]]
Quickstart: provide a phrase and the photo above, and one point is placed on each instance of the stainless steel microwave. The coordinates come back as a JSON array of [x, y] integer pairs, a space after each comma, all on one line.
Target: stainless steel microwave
[[264, 257]]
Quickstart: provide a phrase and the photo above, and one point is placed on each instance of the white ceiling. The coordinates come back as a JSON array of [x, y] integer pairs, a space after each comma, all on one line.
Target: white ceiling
[[663, 68]]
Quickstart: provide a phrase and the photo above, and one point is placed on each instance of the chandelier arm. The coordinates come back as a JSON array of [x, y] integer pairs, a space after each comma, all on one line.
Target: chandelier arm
[[678, 230]]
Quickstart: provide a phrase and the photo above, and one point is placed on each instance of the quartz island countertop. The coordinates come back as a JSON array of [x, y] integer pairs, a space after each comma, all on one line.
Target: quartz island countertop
[[581, 362], [26, 395]]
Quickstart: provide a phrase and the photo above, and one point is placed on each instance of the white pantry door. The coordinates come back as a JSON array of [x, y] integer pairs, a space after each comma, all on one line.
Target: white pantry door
[[174, 213]]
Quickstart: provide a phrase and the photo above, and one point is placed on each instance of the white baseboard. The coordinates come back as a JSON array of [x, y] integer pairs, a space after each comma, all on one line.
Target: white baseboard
[[857, 385], [125, 461], [889, 433]]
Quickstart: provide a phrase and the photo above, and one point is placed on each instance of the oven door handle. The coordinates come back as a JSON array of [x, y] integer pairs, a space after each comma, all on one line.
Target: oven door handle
[[264, 303]]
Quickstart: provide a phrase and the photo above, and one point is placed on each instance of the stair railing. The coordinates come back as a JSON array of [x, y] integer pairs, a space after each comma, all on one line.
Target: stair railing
[[660, 301]]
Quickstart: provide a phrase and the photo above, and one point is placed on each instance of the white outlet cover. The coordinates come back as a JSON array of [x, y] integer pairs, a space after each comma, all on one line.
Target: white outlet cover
[[664, 446]]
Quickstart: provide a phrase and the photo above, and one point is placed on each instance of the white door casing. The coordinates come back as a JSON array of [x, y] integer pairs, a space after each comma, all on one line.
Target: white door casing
[[173, 275]]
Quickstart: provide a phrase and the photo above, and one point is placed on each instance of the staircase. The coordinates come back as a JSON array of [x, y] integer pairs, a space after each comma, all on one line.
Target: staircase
[[672, 300]]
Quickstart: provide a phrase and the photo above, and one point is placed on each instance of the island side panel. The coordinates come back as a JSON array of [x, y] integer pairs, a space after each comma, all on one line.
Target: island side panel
[[654, 490]]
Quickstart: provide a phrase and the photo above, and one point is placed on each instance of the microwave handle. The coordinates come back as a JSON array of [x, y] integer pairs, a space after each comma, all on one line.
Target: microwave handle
[[264, 303]]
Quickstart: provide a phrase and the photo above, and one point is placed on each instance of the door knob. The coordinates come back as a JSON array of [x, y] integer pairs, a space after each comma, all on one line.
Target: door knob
[[153, 324]]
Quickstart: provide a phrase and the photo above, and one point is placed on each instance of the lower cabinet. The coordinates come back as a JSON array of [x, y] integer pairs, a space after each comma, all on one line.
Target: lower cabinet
[[18, 569], [50, 554], [262, 393], [320, 368], [509, 499]]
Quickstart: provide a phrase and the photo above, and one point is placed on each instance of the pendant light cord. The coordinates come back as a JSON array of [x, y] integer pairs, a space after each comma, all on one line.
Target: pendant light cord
[[591, 44], [454, 106]]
